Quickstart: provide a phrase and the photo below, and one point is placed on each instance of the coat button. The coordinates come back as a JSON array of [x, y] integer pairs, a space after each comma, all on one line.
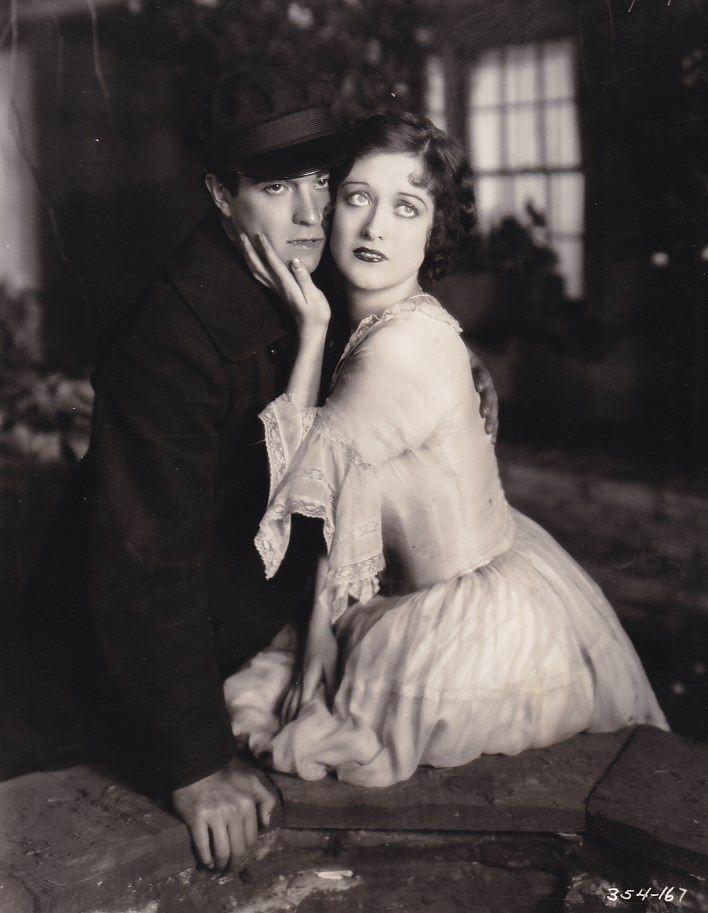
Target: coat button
[[273, 351]]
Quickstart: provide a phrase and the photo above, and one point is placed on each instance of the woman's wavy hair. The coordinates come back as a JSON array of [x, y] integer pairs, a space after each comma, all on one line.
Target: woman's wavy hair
[[447, 176]]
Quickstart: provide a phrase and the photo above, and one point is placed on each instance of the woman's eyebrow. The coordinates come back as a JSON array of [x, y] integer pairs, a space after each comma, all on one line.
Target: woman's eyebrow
[[407, 193], [363, 183]]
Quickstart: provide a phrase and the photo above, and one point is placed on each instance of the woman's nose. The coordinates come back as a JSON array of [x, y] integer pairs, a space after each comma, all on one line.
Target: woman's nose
[[307, 211], [373, 227]]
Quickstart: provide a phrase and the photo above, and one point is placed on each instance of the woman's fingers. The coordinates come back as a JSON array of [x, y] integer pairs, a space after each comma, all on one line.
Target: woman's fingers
[[291, 703], [311, 680], [318, 311], [254, 262], [275, 264]]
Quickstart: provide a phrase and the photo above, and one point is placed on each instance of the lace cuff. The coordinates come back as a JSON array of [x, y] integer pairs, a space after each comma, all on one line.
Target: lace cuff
[[318, 473], [286, 425]]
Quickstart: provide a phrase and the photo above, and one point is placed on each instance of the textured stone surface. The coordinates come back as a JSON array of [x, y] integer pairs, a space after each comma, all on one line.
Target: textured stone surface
[[538, 790], [70, 838], [316, 872], [654, 800], [75, 842]]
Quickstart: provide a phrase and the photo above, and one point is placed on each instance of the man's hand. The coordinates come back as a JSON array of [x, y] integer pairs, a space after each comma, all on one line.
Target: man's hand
[[489, 401], [222, 812]]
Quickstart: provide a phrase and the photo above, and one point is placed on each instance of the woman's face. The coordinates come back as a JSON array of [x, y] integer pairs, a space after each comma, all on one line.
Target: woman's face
[[382, 219]]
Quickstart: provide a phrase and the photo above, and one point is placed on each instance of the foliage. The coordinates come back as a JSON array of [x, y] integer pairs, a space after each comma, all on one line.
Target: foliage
[[529, 296], [373, 51], [43, 414]]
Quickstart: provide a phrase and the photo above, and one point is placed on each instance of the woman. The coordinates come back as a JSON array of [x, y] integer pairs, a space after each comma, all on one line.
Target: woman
[[447, 624]]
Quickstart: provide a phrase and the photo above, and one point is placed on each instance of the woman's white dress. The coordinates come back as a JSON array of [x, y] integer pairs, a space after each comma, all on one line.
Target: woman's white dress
[[464, 628]]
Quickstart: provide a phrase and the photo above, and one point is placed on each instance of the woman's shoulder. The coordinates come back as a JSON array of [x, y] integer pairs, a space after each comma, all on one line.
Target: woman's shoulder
[[416, 322], [417, 332]]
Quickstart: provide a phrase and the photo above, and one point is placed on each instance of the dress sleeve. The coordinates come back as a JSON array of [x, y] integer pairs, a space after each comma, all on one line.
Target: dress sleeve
[[391, 393]]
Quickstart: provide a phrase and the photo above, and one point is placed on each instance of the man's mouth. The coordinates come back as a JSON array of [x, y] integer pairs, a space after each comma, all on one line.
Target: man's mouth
[[369, 255], [307, 243]]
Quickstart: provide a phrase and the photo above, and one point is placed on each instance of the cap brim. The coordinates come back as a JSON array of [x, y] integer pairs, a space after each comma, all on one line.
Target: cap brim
[[294, 160]]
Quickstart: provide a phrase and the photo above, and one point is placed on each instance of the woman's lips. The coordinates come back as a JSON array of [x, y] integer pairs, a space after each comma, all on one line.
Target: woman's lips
[[369, 255]]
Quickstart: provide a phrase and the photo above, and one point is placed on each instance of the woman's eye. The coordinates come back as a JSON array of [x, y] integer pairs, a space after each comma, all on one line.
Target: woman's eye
[[275, 189], [358, 198], [407, 210]]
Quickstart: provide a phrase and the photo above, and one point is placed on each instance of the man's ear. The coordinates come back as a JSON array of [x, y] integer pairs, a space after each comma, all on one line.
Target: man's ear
[[219, 194]]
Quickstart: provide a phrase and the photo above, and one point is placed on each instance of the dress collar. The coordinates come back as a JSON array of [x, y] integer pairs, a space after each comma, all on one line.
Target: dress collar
[[420, 302]]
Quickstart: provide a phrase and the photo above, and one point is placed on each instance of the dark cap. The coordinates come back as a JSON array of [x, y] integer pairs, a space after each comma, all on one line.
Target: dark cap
[[266, 122]]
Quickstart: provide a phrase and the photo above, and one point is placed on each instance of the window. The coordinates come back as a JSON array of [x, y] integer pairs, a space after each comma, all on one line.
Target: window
[[522, 135], [435, 92]]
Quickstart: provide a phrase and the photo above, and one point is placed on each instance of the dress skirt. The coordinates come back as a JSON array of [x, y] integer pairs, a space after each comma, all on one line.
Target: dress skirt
[[522, 652]]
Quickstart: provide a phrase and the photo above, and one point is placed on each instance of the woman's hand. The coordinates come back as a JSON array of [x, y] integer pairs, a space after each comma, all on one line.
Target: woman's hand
[[319, 670], [319, 666], [293, 285]]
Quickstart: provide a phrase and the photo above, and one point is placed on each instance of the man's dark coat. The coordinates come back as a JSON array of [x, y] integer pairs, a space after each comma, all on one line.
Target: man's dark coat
[[173, 487]]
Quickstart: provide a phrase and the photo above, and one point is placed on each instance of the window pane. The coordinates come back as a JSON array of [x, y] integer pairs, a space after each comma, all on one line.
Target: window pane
[[521, 73], [485, 139], [561, 128], [530, 188], [493, 199], [435, 92], [558, 69], [570, 264], [523, 147], [485, 81], [567, 200]]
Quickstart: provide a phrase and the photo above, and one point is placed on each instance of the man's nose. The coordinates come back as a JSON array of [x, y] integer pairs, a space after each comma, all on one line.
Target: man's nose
[[307, 211]]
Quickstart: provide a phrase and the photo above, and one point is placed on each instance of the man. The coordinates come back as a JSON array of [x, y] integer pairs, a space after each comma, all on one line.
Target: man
[[177, 472]]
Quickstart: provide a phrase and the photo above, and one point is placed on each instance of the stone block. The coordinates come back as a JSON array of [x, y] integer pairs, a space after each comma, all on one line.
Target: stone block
[[70, 839], [654, 800], [539, 790]]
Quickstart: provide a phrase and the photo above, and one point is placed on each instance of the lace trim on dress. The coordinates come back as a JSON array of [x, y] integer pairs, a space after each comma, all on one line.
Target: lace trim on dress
[[357, 579], [323, 428], [272, 552], [275, 438], [422, 302], [274, 447]]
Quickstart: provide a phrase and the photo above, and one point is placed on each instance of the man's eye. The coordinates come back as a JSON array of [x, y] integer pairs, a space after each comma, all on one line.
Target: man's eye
[[407, 210], [275, 189], [358, 198], [322, 183]]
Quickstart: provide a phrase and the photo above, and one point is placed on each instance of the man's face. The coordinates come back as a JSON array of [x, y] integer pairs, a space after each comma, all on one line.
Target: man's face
[[288, 211]]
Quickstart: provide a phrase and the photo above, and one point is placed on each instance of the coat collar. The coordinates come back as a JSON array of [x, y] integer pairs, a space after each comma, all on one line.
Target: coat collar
[[240, 316]]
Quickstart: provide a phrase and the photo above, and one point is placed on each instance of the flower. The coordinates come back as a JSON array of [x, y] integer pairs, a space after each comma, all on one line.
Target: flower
[[300, 16]]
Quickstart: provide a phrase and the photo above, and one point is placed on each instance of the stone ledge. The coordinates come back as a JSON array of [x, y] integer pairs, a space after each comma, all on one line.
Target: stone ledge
[[72, 840], [654, 800], [541, 789]]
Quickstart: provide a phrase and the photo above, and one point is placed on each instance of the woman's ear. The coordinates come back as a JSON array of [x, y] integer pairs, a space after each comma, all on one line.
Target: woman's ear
[[219, 194]]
